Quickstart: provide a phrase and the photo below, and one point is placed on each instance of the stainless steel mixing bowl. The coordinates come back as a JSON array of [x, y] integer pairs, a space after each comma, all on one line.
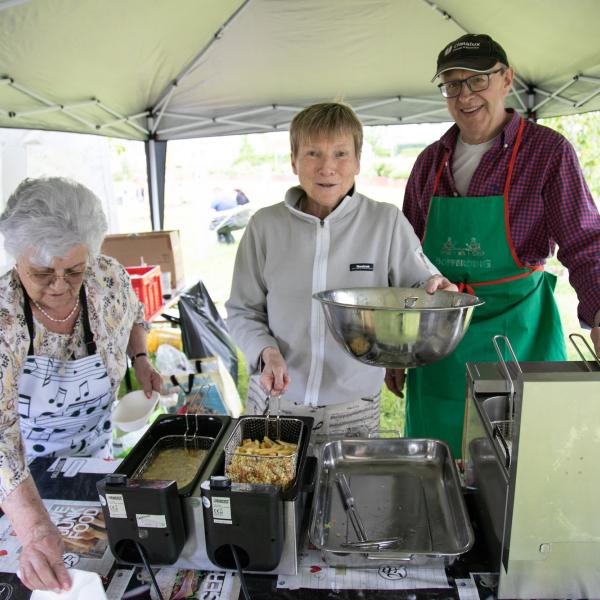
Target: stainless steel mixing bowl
[[397, 327]]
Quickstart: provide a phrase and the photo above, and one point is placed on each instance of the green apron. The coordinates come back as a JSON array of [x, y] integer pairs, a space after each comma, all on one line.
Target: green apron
[[468, 239]]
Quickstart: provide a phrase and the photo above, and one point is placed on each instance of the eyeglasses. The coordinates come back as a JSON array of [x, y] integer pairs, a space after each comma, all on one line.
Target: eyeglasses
[[46, 278], [476, 83]]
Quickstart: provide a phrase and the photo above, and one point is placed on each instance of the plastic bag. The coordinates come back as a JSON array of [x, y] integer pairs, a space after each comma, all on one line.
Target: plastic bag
[[203, 331], [169, 360]]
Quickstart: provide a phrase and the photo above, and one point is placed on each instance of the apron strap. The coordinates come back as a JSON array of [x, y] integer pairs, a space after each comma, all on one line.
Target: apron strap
[[511, 165], [28, 320], [439, 171], [469, 287], [88, 336], [513, 157]]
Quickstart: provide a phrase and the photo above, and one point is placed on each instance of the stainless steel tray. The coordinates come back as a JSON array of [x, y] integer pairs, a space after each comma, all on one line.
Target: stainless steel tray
[[403, 488]]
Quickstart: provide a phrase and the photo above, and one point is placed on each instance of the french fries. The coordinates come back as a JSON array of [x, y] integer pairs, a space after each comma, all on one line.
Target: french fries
[[267, 461], [267, 447]]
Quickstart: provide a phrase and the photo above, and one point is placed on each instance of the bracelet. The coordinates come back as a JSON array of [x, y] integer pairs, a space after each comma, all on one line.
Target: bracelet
[[138, 355]]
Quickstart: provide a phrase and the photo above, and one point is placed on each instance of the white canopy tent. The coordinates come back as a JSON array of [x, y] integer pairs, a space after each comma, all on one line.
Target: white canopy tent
[[158, 70]]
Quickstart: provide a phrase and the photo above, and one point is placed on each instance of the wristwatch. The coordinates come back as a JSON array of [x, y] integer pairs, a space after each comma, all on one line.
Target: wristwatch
[[136, 356]]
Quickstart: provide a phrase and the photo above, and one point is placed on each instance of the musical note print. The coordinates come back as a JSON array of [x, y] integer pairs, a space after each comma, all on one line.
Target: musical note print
[[60, 398], [64, 406], [49, 372]]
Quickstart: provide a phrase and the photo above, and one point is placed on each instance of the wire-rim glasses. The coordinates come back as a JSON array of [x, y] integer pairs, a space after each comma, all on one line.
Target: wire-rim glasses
[[47, 278], [476, 83]]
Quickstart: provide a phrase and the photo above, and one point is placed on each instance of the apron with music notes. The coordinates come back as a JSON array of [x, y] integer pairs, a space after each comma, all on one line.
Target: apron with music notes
[[65, 405]]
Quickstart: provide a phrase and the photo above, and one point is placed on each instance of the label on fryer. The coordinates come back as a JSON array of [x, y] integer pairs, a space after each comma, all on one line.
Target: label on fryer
[[116, 506], [157, 521], [221, 509]]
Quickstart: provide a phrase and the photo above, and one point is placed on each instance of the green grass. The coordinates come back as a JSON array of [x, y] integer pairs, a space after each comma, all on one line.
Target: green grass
[[392, 412]]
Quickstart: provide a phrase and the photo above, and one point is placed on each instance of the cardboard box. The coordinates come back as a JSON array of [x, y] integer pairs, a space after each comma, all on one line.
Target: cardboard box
[[161, 248]]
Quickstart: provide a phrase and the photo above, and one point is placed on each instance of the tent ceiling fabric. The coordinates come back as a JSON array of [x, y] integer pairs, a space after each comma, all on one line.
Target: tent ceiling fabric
[[244, 66]]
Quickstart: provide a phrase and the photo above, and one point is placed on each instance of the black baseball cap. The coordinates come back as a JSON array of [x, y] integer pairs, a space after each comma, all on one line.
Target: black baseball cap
[[474, 52]]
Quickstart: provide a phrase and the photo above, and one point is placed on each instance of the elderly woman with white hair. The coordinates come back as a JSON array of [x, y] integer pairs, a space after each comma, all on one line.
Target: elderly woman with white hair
[[68, 317]]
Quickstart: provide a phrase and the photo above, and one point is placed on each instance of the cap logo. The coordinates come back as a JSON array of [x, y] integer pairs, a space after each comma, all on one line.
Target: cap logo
[[448, 50], [466, 45]]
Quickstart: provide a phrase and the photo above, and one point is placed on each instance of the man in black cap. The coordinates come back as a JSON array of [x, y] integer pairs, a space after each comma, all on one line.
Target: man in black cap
[[491, 200]]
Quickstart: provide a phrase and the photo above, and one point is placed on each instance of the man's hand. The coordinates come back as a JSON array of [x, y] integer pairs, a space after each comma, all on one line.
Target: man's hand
[[41, 566], [394, 379], [274, 378], [147, 376], [438, 282]]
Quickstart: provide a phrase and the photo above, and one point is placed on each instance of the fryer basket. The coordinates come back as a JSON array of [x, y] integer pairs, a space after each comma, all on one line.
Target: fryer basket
[[257, 468], [502, 432]]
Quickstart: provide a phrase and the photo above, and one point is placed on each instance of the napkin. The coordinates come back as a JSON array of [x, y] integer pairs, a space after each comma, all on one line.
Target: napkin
[[84, 586]]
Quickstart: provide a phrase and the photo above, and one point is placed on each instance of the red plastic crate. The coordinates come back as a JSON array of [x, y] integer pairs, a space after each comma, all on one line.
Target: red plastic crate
[[146, 284]]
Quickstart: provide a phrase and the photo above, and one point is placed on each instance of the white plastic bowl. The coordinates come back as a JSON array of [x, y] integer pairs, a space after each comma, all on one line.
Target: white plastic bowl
[[133, 409]]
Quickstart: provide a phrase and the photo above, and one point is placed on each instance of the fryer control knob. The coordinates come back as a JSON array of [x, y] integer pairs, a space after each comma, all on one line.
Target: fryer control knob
[[219, 482], [116, 479]]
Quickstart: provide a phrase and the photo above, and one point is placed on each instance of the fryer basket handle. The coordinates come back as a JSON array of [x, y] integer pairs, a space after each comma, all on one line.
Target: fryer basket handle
[[572, 337], [506, 372]]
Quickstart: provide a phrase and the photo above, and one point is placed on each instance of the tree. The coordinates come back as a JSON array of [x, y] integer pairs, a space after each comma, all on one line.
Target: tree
[[583, 131]]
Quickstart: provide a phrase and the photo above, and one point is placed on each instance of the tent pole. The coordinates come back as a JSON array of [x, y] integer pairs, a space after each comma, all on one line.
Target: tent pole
[[153, 180], [531, 114]]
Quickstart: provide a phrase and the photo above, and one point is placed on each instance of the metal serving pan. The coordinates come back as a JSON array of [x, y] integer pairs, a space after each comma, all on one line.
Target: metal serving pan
[[407, 493]]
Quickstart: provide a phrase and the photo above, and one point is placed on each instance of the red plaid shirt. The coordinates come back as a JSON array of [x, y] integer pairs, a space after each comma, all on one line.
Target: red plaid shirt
[[549, 202]]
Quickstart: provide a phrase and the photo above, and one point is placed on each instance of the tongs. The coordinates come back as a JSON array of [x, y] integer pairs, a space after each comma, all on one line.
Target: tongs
[[267, 413], [356, 521]]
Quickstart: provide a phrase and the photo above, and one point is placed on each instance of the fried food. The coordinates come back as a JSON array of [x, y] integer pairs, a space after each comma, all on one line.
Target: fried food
[[267, 461], [359, 345], [180, 464]]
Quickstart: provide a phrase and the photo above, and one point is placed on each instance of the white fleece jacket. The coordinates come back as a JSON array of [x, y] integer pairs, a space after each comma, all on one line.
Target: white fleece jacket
[[285, 256]]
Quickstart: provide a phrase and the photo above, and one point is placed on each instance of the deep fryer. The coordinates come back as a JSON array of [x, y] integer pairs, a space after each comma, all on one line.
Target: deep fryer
[[204, 543]]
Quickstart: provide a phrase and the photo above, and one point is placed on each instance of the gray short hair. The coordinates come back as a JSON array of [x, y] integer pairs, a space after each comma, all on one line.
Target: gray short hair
[[325, 118], [47, 217]]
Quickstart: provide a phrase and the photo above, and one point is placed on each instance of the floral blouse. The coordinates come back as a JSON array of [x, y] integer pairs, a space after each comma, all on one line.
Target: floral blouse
[[113, 309]]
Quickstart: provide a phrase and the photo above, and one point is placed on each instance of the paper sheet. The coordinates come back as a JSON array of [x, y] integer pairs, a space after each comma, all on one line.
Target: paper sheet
[[74, 465], [174, 584], [84, 586], [315, 574], [467, 590]]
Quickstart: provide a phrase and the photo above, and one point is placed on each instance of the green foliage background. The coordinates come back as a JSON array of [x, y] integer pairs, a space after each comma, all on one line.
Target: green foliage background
[[583, 131]]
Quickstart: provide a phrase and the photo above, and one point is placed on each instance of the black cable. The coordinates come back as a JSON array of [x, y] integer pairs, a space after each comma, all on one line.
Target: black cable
[[149, 569], [240, 573]]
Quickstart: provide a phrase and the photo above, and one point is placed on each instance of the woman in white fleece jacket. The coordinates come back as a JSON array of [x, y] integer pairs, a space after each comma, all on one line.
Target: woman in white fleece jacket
[[324, 235]]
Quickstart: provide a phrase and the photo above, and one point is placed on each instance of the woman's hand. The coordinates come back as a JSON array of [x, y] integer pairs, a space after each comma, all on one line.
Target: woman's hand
[[274, 378], [595, 335], [438, 282], [41, 566], [147, 376], [394, 379]]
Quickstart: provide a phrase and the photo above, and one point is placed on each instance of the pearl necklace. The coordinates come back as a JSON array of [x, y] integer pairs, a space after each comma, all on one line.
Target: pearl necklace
[[75, 307]]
